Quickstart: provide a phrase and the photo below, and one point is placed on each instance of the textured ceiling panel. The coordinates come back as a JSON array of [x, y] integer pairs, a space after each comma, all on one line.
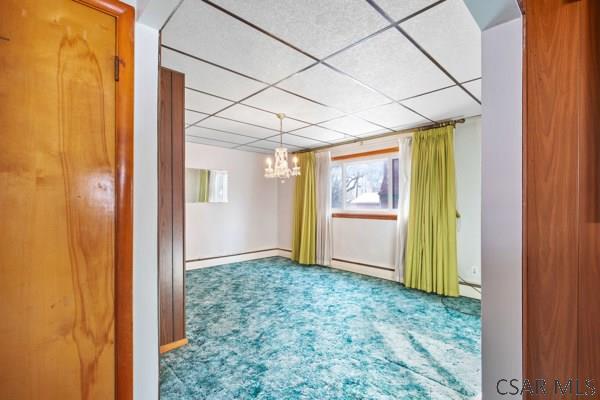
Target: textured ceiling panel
[[400, 9], [351, 125], [300, 141], [449, 33], [392, 116], [192, 117], [203, 31], [278, 101], [251, 115], [318, 133], [208, 78], [377, 132], [218, 135], [269, 145], [204, 103], [445, 104], [327, 86], [391, 64], [474, 87], [305, 24], [209, 142], [254, 149], [236, 127]]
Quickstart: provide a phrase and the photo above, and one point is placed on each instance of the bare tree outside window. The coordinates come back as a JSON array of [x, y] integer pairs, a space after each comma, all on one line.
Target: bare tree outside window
[[364, 185]]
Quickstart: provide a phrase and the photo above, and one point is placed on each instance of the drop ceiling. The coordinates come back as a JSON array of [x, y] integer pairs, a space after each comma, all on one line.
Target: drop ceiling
[[338, 69]]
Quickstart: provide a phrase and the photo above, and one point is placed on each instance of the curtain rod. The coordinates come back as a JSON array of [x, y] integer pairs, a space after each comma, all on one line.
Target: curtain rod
[[383, 135]]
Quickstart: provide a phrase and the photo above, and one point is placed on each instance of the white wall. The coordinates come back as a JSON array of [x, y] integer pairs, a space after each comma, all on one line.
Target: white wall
[[372, 241], [248, 222], [502, 205], [145, 211]]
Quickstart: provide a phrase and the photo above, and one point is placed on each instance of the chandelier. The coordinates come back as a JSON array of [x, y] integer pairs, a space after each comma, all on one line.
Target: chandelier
[[281, 170]]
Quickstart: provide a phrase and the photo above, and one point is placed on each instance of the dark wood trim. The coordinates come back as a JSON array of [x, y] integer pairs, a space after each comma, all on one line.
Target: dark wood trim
[[366, 154], [363, 264], [387, 217], [125, 20], [232, 255], [524, 188], [173, 345]]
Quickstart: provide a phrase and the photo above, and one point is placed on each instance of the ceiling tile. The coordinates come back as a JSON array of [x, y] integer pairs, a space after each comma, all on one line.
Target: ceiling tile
[[208, 78], [351, 125], [400, 9], [315, 26], [203, 31], [251, 115], [204, 103], [193, 116], [318, 133], [217, 135], [209, 142], [445, 104], [390, 63], [392, 116], [450, 34], [253, 149], [270, 145], [277, 101], [329, 87], [236, 127], [300, 141], [376, 132], [474, 87]]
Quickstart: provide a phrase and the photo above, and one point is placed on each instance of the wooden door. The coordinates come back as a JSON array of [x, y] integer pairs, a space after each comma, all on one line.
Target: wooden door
[[562, 193], [171, 206], [60, 195]]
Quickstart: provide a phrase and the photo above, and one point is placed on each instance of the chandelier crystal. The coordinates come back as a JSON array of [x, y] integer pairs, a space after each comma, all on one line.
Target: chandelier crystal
[[281, 169]]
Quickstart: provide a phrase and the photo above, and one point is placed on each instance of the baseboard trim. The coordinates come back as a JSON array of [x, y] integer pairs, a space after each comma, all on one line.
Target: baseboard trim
[[466, 289], [362, 264], [230, 258], [173, 345]]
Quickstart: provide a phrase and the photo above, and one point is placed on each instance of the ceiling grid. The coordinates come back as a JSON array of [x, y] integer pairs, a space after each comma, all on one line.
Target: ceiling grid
[[339, 70]]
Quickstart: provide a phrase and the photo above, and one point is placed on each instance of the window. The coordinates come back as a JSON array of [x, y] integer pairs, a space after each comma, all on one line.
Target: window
[[365, 184]]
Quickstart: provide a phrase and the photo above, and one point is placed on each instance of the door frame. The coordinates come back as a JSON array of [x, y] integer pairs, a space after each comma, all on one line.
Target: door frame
[[124, 16]]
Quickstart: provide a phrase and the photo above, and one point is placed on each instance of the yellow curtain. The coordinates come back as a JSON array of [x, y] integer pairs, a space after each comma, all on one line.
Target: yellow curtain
[[203, 186], [431, 261], [304, 235]]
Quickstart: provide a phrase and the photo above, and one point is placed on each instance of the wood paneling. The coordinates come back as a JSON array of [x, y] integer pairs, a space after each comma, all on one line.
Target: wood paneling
[[562, 238], [589, 167], [178, 184], [171, 206], [65, 170], [551, 193], [165, 210]]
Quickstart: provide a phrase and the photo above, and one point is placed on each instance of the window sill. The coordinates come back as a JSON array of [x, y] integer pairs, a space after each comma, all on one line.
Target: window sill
[[389, 217]]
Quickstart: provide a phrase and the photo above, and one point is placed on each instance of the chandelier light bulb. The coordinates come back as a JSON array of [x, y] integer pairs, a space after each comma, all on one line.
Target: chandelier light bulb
[[281, 169]]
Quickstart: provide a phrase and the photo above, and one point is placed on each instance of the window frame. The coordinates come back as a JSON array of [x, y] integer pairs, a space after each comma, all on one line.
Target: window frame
[[365, 212]]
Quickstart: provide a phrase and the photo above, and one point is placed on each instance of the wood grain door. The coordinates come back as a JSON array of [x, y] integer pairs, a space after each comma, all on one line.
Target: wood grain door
[[562, 230], [57, 201]]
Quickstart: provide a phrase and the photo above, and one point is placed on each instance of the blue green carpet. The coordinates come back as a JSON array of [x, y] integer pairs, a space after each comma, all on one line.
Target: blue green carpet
[[272, 329]]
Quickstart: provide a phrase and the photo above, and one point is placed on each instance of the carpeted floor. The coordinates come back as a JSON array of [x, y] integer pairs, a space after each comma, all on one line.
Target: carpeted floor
[[272, 329]]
